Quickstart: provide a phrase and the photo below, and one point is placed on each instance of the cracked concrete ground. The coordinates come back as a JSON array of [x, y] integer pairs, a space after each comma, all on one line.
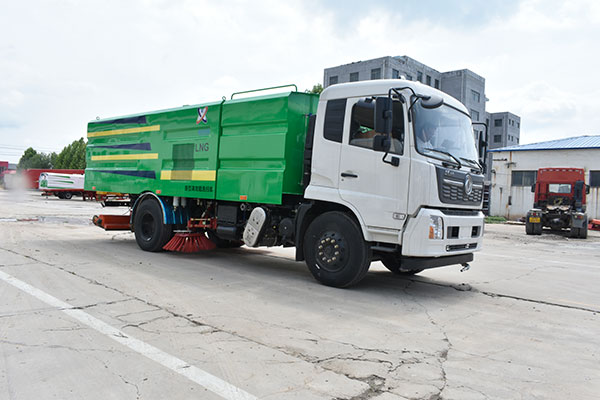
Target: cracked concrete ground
[[522, 323]]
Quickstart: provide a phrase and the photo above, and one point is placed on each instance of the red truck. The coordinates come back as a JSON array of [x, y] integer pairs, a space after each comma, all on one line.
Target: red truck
[[559, 202]]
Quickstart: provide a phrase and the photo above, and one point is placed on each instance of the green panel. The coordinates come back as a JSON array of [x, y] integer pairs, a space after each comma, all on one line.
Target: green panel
[[181, 152], [255, 150]]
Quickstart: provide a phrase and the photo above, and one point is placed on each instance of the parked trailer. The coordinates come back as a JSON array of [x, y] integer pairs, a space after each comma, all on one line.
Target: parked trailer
[[63, 186], [32, 175], [344, 177]]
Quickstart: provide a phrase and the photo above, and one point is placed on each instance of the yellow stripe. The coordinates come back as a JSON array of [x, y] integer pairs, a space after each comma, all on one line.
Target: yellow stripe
[[114, 157], [151, 128], [198, 175]]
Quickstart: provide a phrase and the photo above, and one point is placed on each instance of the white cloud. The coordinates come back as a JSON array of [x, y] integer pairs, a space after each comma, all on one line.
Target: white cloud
[[64, 63]]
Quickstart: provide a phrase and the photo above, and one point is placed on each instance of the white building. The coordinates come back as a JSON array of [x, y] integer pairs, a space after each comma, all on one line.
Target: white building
[[514, 171]]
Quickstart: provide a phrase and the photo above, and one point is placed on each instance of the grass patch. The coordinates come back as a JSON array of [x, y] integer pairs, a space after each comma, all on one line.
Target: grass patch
[[495, 220]]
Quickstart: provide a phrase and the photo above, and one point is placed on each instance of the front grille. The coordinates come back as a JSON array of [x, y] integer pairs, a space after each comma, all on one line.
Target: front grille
[[454, 193], [457, 247], [451, 187]]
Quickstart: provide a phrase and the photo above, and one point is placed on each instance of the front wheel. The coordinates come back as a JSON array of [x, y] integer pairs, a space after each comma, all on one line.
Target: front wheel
[[150, 232], [335, 251]]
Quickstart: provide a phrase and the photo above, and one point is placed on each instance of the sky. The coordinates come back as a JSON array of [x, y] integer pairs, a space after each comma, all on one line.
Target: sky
[[64, 63]]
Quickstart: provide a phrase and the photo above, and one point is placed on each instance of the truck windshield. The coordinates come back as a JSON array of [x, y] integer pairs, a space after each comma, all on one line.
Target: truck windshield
[[444, 130]]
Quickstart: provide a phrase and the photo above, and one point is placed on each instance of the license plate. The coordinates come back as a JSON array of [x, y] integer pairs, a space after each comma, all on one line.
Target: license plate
[[534, 220]]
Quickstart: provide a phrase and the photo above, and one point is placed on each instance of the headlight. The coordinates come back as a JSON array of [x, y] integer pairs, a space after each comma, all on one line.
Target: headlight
[[436, 227]]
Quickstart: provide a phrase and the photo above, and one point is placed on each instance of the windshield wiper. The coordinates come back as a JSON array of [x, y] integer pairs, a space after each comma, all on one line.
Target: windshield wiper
[[473, 162], [456, 160]]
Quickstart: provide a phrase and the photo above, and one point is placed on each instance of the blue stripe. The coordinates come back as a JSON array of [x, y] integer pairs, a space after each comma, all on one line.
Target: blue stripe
[[141, 174]]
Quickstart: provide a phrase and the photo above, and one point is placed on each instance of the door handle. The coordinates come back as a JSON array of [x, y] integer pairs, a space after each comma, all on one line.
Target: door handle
[[349, 175]]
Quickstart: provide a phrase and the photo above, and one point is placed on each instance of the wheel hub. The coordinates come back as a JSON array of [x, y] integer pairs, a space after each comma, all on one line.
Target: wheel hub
[[331, 251]]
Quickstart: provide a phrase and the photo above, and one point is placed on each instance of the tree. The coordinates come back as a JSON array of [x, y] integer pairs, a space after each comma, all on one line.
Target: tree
[[72, 156], [33, 159], [317, 89]]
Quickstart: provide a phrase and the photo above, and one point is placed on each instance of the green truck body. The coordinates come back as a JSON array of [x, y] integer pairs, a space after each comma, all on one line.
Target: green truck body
[[248, 150]]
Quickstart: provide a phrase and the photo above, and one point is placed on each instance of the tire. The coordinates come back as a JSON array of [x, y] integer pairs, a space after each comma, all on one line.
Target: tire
[[224, 243], [394, 265], [574, 232], [60, 195], [529, 228], [67, 195], [150, 232], [583, 231], [537, 229], [335, 251]]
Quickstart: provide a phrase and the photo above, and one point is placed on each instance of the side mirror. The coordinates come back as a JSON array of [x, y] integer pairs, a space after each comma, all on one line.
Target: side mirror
[[382, 143], [433, 101], [587, 189], [383, 115], [533, 188]]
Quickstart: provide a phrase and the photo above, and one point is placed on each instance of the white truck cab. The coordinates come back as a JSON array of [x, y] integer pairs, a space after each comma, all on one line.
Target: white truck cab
[[401, 157]]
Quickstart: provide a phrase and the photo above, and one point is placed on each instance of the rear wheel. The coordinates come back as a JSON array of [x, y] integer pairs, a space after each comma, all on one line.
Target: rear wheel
[[583, 232], [335, 251], [393, 264], [151, 234], [68, 195], [574, 232], [529, 228]]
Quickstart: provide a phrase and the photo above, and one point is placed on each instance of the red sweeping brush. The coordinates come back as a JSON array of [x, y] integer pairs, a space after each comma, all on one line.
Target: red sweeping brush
[[188, 242]]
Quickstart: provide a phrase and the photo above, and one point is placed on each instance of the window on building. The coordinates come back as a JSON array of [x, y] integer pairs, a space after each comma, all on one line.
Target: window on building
[[354, 77], [420, 76], [518, 125], [333, 80], [409, 77], [595, 178], [437, 83], [474, 115], [428, 80], [497, 138], [523, 178], [334, 120], [376, 73], [475, 96], [362, 126], [487, 121], [497, 122], [395, 74], [517, 140]]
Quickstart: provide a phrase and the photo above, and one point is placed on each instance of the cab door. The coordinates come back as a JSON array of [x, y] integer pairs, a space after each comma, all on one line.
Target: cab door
[[378, 190]]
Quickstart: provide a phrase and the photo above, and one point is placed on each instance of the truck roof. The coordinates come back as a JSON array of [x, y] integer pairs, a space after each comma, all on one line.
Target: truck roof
[[381, 87]]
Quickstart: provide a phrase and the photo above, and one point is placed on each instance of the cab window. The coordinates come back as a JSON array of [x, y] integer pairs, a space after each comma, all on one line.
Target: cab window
[[362, 126]]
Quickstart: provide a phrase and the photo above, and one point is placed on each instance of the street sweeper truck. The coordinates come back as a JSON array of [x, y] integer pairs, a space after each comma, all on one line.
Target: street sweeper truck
[[383, 170]]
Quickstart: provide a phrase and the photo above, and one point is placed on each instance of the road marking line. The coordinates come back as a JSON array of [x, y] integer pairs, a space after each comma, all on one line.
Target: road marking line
[[195, 374]]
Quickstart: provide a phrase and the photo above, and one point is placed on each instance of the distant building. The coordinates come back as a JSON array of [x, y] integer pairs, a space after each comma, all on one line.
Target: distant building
[[514, 170], [464, 85]]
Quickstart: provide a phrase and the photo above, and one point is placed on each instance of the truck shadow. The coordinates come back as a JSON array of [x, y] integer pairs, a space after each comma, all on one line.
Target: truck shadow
[[261, 270]]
